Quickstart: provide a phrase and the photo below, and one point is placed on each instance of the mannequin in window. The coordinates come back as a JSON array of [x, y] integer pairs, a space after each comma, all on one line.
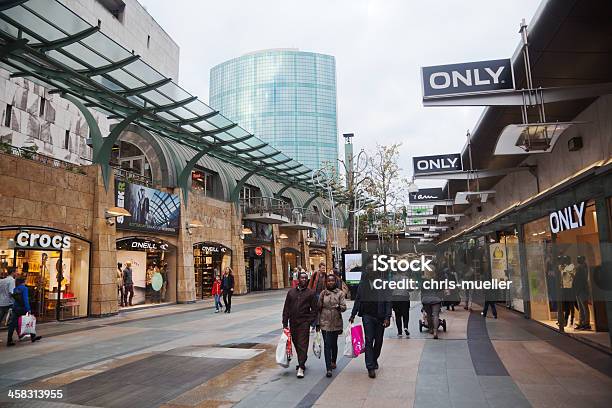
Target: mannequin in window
[[568, 271], [581, 290]]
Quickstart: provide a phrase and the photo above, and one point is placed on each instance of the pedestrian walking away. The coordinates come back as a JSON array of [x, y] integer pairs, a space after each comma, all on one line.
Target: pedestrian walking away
[[227, 286], [128, 284], [432, 303], [332, 303], [120, 283], [216, 292], [21, 306], [7, 286], [374, 308], [299, 313]]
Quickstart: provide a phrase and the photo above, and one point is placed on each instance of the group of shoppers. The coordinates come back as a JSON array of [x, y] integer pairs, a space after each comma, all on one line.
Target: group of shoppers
[[224, 287], [14, 302], [321, 301]]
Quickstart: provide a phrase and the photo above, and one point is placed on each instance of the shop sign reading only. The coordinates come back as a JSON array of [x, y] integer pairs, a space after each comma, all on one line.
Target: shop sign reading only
[[437, 164], [25, 239], [568, 218]]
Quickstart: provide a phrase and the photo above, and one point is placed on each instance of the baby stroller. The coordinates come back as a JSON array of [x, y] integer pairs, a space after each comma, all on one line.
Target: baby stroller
[[423, 321]]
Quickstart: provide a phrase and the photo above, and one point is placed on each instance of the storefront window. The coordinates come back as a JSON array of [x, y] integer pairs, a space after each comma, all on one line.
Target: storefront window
[[258, 267], [563, 256], [210, 259], [55, 266], [152, 264], [505, 265]]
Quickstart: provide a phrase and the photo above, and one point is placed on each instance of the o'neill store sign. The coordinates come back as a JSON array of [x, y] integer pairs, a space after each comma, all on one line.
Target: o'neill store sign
[[437, 164], [427, 194], [467, 78], [568, 218]]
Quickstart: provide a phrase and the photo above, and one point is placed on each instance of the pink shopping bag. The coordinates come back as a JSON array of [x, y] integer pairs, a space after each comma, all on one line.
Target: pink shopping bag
[[357, 338]]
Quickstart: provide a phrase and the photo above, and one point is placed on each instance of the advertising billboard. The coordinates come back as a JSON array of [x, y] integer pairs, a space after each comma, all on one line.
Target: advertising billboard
[[436, 164], [353, 266], [152, 210]]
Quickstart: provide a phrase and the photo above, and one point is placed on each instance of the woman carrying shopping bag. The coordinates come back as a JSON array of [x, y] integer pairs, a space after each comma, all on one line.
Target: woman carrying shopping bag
[[21, 307], [331, 305]]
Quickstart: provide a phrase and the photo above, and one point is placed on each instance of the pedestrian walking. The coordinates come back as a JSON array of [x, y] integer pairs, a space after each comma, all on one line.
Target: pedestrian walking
[[432, 303], [299, 312], [128, 284], [332, 303], [294, 276], [119, 279], [21, 306], [216, 292], [7, 286], [227, 286], [317, 281], [374, 308]]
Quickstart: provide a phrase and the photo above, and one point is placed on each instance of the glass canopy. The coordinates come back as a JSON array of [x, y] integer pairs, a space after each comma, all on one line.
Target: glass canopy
[[51, 45]]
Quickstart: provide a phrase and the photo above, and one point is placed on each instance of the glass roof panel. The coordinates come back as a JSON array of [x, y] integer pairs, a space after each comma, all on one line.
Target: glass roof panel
[[59, 57], [167, 116], [27, 19], [62, 17], [86, 55], [224, 136], [135, 99], [190, 128], [173, 92], [219, 121], [143, 72], [106, 46], [107, 83], [9, 29], [198, 108], [183, 113], [204, 125], [156, 98], [126, 79]]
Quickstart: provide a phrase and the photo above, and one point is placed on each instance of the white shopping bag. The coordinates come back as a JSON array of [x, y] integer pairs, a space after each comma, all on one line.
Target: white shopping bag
[[348, 343], [283, 349], [316, 345], [26, 324]]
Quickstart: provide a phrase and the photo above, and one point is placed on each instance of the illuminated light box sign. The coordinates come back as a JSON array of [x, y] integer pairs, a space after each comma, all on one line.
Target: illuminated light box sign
[[467, 78], [568, 218], [427, 194]]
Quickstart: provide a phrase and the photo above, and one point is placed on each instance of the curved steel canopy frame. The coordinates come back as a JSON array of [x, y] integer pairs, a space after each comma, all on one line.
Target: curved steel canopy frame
[[51, 45]]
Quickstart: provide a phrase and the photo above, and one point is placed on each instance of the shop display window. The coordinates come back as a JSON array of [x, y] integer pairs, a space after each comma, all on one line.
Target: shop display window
[[210, 259], [56, 268], [562, 271]]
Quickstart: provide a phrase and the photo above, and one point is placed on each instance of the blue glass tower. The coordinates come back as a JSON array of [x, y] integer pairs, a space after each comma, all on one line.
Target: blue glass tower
[[285, 97]]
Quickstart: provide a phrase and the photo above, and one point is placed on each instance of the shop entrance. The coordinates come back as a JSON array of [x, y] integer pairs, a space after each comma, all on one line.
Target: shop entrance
[[290, 258], [316, 257], [153, 265], [209, 259], [55, 266], [258, 267]]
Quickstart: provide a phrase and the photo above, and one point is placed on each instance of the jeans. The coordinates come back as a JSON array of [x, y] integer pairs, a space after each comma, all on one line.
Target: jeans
[[402, 315], [4, 311], [300, 336], [120, 294], [227, 300], [374, 331], [330, 347], [433, 316], [486, 308], [128, 290], [218, 302], [583, 308]]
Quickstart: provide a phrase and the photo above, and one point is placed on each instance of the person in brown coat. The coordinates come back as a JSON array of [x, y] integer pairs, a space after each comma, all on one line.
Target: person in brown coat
[[331, 305], [299, 312]]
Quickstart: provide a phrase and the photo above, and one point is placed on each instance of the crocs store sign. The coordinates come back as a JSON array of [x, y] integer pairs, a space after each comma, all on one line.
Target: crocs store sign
[[25, 239]]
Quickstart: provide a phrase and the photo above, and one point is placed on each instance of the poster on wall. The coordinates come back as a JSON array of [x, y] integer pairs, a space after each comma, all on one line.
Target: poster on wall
[[261, 232], [319, 235], [498, 261], [139, 272], [152, 210]]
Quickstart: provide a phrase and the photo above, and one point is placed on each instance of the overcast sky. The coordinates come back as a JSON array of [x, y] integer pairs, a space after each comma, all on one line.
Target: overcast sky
[[379, 46]]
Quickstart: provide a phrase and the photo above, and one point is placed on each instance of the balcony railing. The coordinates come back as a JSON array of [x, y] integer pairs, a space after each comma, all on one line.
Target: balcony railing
[[265, 209], [31, 154]]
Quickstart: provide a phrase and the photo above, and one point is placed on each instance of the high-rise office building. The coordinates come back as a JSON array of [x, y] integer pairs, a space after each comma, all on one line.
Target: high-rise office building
[[285, 97]]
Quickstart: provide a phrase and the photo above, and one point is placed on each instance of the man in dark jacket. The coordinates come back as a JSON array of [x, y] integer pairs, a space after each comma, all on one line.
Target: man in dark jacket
[[128, 284], [227, 286], [21, 306], [299, 312], [581, 289], [374, 307]]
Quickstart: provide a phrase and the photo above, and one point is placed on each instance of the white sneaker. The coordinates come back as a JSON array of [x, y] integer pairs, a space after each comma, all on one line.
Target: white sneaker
[[217, 311], [300, 373]]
